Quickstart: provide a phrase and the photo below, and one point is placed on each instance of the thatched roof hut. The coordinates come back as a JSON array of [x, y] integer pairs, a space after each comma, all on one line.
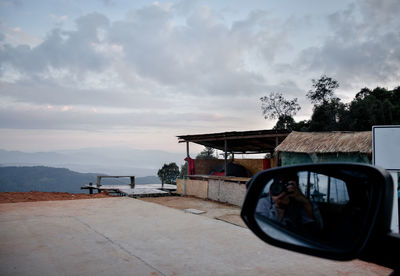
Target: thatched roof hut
[[327, 142], [339, 146]]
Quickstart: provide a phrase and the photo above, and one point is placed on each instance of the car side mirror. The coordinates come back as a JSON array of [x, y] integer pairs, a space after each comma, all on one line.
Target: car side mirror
[[329, 210]]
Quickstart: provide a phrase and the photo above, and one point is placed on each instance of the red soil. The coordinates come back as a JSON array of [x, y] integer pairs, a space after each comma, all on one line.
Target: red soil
[[44, 196]]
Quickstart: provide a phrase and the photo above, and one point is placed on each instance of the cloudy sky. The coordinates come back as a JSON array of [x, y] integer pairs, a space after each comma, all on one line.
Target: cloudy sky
[[104, 73]]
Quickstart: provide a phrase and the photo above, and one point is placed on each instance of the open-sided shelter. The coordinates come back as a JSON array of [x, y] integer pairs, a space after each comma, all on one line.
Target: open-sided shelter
[[227, 188], [237, 142]]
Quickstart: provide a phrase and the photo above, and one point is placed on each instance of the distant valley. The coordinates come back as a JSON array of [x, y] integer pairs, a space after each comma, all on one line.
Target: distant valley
[[111, 161], [47, 179]]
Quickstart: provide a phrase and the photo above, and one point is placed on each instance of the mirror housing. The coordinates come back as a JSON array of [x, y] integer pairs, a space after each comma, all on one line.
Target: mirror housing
[[347, 223]]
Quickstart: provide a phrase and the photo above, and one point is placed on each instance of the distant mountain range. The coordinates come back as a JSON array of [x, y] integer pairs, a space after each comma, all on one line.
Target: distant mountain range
[[47, 179], [111, 161]]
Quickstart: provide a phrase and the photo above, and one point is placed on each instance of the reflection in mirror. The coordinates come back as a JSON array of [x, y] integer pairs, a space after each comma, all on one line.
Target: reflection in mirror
[[306, 206]]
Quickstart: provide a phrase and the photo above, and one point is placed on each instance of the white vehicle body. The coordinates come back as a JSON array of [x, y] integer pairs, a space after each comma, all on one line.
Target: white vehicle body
[[386, 154]]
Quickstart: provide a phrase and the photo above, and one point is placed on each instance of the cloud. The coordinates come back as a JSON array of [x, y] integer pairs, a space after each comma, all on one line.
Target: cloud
[[12, 3], [362, 46], [184, 65], [195, 54], [16, 36], [146, 71], [51, 93], [383, 13], [58, 19], [201, 54], [72, 51], [67, 117]]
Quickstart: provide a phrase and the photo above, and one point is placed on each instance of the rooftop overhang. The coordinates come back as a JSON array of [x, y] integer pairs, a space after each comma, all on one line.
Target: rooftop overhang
[[247, 142]]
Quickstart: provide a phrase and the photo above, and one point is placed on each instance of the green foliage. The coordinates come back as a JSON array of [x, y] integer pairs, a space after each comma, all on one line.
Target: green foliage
[[302, 125], [285, 122], [369, 107], [327, 116], [168, 173], [47, 179], [43, 179], [183, 171], [206, 153], [276, 106], [377, 107], [323, 90]]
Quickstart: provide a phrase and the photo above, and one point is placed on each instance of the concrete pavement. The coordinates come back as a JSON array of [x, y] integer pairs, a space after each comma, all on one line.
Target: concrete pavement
[[124, 236]]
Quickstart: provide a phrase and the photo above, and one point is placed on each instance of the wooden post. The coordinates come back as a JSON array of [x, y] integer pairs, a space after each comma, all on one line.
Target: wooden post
[[188, 170], [187, 156], [132, 182], [277, 156], [226, 154]]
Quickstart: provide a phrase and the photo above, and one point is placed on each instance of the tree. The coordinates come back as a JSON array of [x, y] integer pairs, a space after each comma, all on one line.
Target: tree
[[328, 116], [184, 169], [328, 111], [206, 153], [369, 107], [275, 106], [373, 107], [323, 90], [285, 123], [168, 173], [379, 106], [365, 92]]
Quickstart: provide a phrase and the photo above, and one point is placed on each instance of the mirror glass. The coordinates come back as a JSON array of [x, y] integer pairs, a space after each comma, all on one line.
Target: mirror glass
[[318, 209]]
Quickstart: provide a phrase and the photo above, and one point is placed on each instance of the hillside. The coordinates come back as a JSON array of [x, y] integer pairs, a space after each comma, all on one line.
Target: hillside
[[111, 161], [48, 179]]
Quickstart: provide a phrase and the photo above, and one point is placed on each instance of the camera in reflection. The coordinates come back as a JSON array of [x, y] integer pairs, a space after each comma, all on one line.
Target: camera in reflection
[[278, 186]]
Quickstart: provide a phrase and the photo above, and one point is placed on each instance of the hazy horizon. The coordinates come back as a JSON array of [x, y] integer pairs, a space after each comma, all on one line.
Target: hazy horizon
[[96, 160]]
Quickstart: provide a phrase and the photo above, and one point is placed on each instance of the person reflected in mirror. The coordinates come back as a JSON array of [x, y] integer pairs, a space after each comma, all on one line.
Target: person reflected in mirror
[[286, 204]]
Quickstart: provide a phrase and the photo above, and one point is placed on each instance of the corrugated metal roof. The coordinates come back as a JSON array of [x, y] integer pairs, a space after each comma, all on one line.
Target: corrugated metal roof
[[254, 141], [327, 142]]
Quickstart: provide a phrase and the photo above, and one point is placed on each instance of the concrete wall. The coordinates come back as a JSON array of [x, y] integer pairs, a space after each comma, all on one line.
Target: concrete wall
[[194, 187], [179, 186], [226, 191], [215, 189]]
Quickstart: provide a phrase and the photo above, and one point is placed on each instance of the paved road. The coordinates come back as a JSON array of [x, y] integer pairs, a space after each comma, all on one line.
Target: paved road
[[124, 236]]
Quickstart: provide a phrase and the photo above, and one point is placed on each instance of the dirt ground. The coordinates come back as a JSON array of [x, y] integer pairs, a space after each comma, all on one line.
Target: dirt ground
[[44, 196], [216, 210]]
